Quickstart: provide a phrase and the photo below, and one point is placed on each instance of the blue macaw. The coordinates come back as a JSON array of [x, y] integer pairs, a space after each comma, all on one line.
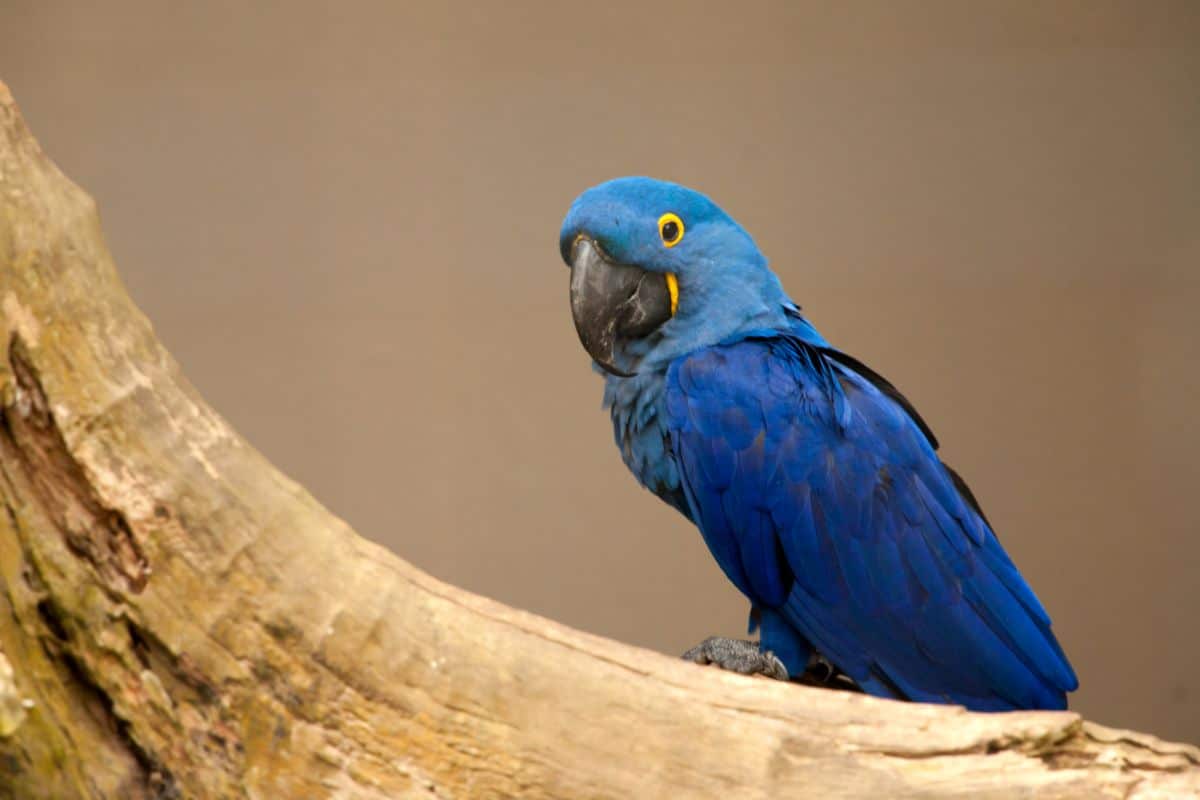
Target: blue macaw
[[814, 482]]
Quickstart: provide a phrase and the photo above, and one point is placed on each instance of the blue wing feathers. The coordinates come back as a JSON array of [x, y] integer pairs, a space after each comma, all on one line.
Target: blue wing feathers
[[819, 492]]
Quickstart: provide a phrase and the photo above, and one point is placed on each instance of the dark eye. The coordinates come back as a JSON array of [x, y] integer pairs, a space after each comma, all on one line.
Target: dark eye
[[670, 228]]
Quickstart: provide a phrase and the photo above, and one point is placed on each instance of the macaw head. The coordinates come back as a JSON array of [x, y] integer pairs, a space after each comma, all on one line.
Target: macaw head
[[658, 270]]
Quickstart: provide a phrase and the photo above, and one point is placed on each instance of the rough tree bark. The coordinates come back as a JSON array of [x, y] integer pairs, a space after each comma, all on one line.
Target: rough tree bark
[[178, 619]]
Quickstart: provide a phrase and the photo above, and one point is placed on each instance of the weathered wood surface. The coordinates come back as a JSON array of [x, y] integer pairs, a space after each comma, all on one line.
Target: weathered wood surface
[[182, 620]]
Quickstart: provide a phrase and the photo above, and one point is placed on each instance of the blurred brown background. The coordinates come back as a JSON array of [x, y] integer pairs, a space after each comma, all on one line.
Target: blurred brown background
[[342, 219]]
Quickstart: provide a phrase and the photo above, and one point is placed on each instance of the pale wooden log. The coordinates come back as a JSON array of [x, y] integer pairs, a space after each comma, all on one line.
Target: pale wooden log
[[182, 620]]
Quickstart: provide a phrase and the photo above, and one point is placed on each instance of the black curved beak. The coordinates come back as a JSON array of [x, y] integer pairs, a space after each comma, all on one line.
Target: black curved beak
[[613, 302]]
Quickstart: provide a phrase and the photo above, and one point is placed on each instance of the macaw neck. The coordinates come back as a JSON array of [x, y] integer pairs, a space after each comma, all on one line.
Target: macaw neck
[[723, 304]]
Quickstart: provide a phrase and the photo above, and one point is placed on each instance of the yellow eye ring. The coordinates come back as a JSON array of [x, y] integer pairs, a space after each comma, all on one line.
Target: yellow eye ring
[[670, 228]]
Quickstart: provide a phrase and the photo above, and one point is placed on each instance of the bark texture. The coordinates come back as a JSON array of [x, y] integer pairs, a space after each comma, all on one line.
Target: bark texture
[[178, 619]]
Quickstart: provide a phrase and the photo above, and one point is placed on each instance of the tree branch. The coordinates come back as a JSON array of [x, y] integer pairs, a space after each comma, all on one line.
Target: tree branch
[[182, 620]]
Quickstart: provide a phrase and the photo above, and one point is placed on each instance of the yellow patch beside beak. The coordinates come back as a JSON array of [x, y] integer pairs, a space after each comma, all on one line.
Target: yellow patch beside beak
[[673, 289]]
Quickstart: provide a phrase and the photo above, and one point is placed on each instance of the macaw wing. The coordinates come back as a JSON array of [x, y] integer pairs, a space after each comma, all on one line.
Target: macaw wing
[[821, 496]]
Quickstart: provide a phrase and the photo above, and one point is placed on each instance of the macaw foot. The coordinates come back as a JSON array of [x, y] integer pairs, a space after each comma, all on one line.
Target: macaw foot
[[738, 655], [820, 672]]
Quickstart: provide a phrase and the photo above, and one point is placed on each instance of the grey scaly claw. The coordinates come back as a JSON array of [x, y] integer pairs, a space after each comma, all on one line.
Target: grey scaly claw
[[737, 655]]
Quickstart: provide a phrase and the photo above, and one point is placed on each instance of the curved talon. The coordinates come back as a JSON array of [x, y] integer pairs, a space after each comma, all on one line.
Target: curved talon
[[738, 655], [820, 669]]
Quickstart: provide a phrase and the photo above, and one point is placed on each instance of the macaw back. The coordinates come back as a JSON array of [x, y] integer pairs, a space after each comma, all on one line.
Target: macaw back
[[825, 503]]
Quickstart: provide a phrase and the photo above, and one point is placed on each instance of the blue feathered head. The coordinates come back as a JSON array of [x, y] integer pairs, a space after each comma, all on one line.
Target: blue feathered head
[[658, 269]]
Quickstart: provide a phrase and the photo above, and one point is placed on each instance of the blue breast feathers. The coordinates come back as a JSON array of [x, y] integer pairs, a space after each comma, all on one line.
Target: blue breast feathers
[[640, 431]]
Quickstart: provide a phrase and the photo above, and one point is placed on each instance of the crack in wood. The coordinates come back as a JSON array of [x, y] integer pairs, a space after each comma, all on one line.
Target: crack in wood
[[99, 534]]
